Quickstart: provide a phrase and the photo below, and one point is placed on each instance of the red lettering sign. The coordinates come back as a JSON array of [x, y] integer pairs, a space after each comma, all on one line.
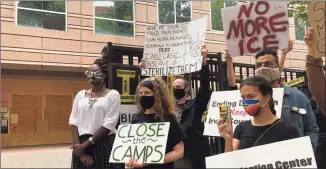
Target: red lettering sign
[[256, 26]]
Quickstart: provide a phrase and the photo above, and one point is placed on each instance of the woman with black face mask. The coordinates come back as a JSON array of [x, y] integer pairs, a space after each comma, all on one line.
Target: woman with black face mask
[[265, 127], [93, 120], [156, 104]]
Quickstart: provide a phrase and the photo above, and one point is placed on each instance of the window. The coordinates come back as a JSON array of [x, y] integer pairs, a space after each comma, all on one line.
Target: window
[[216, 13], [174, 12], [114, 18], [300, 28], [42, 14]]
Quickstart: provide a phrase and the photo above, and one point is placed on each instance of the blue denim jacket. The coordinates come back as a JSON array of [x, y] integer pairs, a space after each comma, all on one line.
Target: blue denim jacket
[[306, 123]]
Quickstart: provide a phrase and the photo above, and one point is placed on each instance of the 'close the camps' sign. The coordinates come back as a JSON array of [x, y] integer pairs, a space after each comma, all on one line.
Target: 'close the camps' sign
[[254, 26], [143, 142], [173, 49], [295, 153]]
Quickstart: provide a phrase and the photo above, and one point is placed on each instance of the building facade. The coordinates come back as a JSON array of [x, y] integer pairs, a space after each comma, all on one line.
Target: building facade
[[46, 46]]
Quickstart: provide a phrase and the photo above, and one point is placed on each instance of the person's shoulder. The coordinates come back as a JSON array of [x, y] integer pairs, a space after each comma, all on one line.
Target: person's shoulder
[[169, 117], [295, 92], [114, 92], [81, 93], [285, 125], [244, 124]]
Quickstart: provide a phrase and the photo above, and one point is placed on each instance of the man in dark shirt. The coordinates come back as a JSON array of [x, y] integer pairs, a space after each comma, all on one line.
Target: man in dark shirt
[[190, 114]]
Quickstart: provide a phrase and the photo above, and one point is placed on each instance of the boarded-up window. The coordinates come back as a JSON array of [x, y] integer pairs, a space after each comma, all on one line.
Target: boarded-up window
[[57, 112], [26, 110]]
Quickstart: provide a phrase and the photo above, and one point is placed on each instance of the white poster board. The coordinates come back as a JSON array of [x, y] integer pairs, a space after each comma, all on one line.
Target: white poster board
[[253, 26], [295, 153], [143, 142], [172, 49], [127, 111], [238, 114]]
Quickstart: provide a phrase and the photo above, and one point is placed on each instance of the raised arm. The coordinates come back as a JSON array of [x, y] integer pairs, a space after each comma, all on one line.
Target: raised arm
[[315, 74], [230, 71], [204, 93], [284, 52]]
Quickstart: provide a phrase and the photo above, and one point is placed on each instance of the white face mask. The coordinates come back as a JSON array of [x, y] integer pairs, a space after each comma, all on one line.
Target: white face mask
[[270, 74]]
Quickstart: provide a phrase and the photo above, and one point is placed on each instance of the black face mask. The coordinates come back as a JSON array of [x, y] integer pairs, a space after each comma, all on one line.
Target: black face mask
[[179, 93], [146, 102]]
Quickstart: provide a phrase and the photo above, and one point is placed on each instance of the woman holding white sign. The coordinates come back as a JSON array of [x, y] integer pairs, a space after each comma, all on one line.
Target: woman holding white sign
[[156, 104], [265, 127]]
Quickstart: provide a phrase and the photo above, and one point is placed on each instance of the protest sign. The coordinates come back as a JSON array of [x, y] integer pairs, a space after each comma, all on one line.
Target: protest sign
[[238, 114], [172, 49], [253, 26], [143, 142], [295, 153], [127, 112], [316, 18]]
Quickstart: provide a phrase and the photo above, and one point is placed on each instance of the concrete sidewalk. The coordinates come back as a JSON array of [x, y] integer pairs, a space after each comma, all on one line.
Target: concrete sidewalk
[[46, 156]]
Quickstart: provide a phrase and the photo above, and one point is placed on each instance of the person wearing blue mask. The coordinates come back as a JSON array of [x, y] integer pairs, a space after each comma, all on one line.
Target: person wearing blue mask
[[265, 127]]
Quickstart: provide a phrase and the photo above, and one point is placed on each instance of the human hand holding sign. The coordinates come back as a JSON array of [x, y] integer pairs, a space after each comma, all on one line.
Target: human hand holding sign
[[134, 164], [289, 49], [308, 40]]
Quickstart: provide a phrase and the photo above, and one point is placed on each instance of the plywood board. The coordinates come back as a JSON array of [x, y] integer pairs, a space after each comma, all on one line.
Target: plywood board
[[5, 140], [26, 101], [59, 101], [42, 126], [58, 119], [26, 120]]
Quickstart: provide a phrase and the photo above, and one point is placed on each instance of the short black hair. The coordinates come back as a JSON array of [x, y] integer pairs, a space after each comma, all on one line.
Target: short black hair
[[268, 51], [263, 86]]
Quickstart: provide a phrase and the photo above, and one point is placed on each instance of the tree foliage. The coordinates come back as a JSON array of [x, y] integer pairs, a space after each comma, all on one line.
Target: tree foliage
[[299, 9]]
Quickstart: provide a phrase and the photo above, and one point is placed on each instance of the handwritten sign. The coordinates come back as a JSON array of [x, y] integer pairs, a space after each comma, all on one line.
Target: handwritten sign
[[144, 142], [238, 114], [172, 49], [316, 18], [251, 27], [295, 153]]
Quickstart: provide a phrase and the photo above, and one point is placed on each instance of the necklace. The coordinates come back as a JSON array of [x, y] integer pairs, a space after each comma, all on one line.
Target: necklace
[[91, 100]]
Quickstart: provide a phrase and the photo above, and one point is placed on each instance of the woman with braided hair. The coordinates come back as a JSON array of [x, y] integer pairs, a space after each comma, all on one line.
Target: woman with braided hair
[[156, 104], [93, 120]]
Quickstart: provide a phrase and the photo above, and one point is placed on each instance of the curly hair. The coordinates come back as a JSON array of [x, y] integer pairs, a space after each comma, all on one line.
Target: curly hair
[[164, 101]]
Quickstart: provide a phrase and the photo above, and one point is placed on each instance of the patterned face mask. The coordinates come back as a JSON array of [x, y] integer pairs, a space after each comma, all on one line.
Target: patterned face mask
[[94, 77]]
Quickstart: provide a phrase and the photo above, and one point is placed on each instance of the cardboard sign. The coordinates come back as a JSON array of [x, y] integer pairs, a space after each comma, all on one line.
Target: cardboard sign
[[172, 49], [316, 18], [127, 111], [295, 153], [238, 114], [143, 142], [251, 27]]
